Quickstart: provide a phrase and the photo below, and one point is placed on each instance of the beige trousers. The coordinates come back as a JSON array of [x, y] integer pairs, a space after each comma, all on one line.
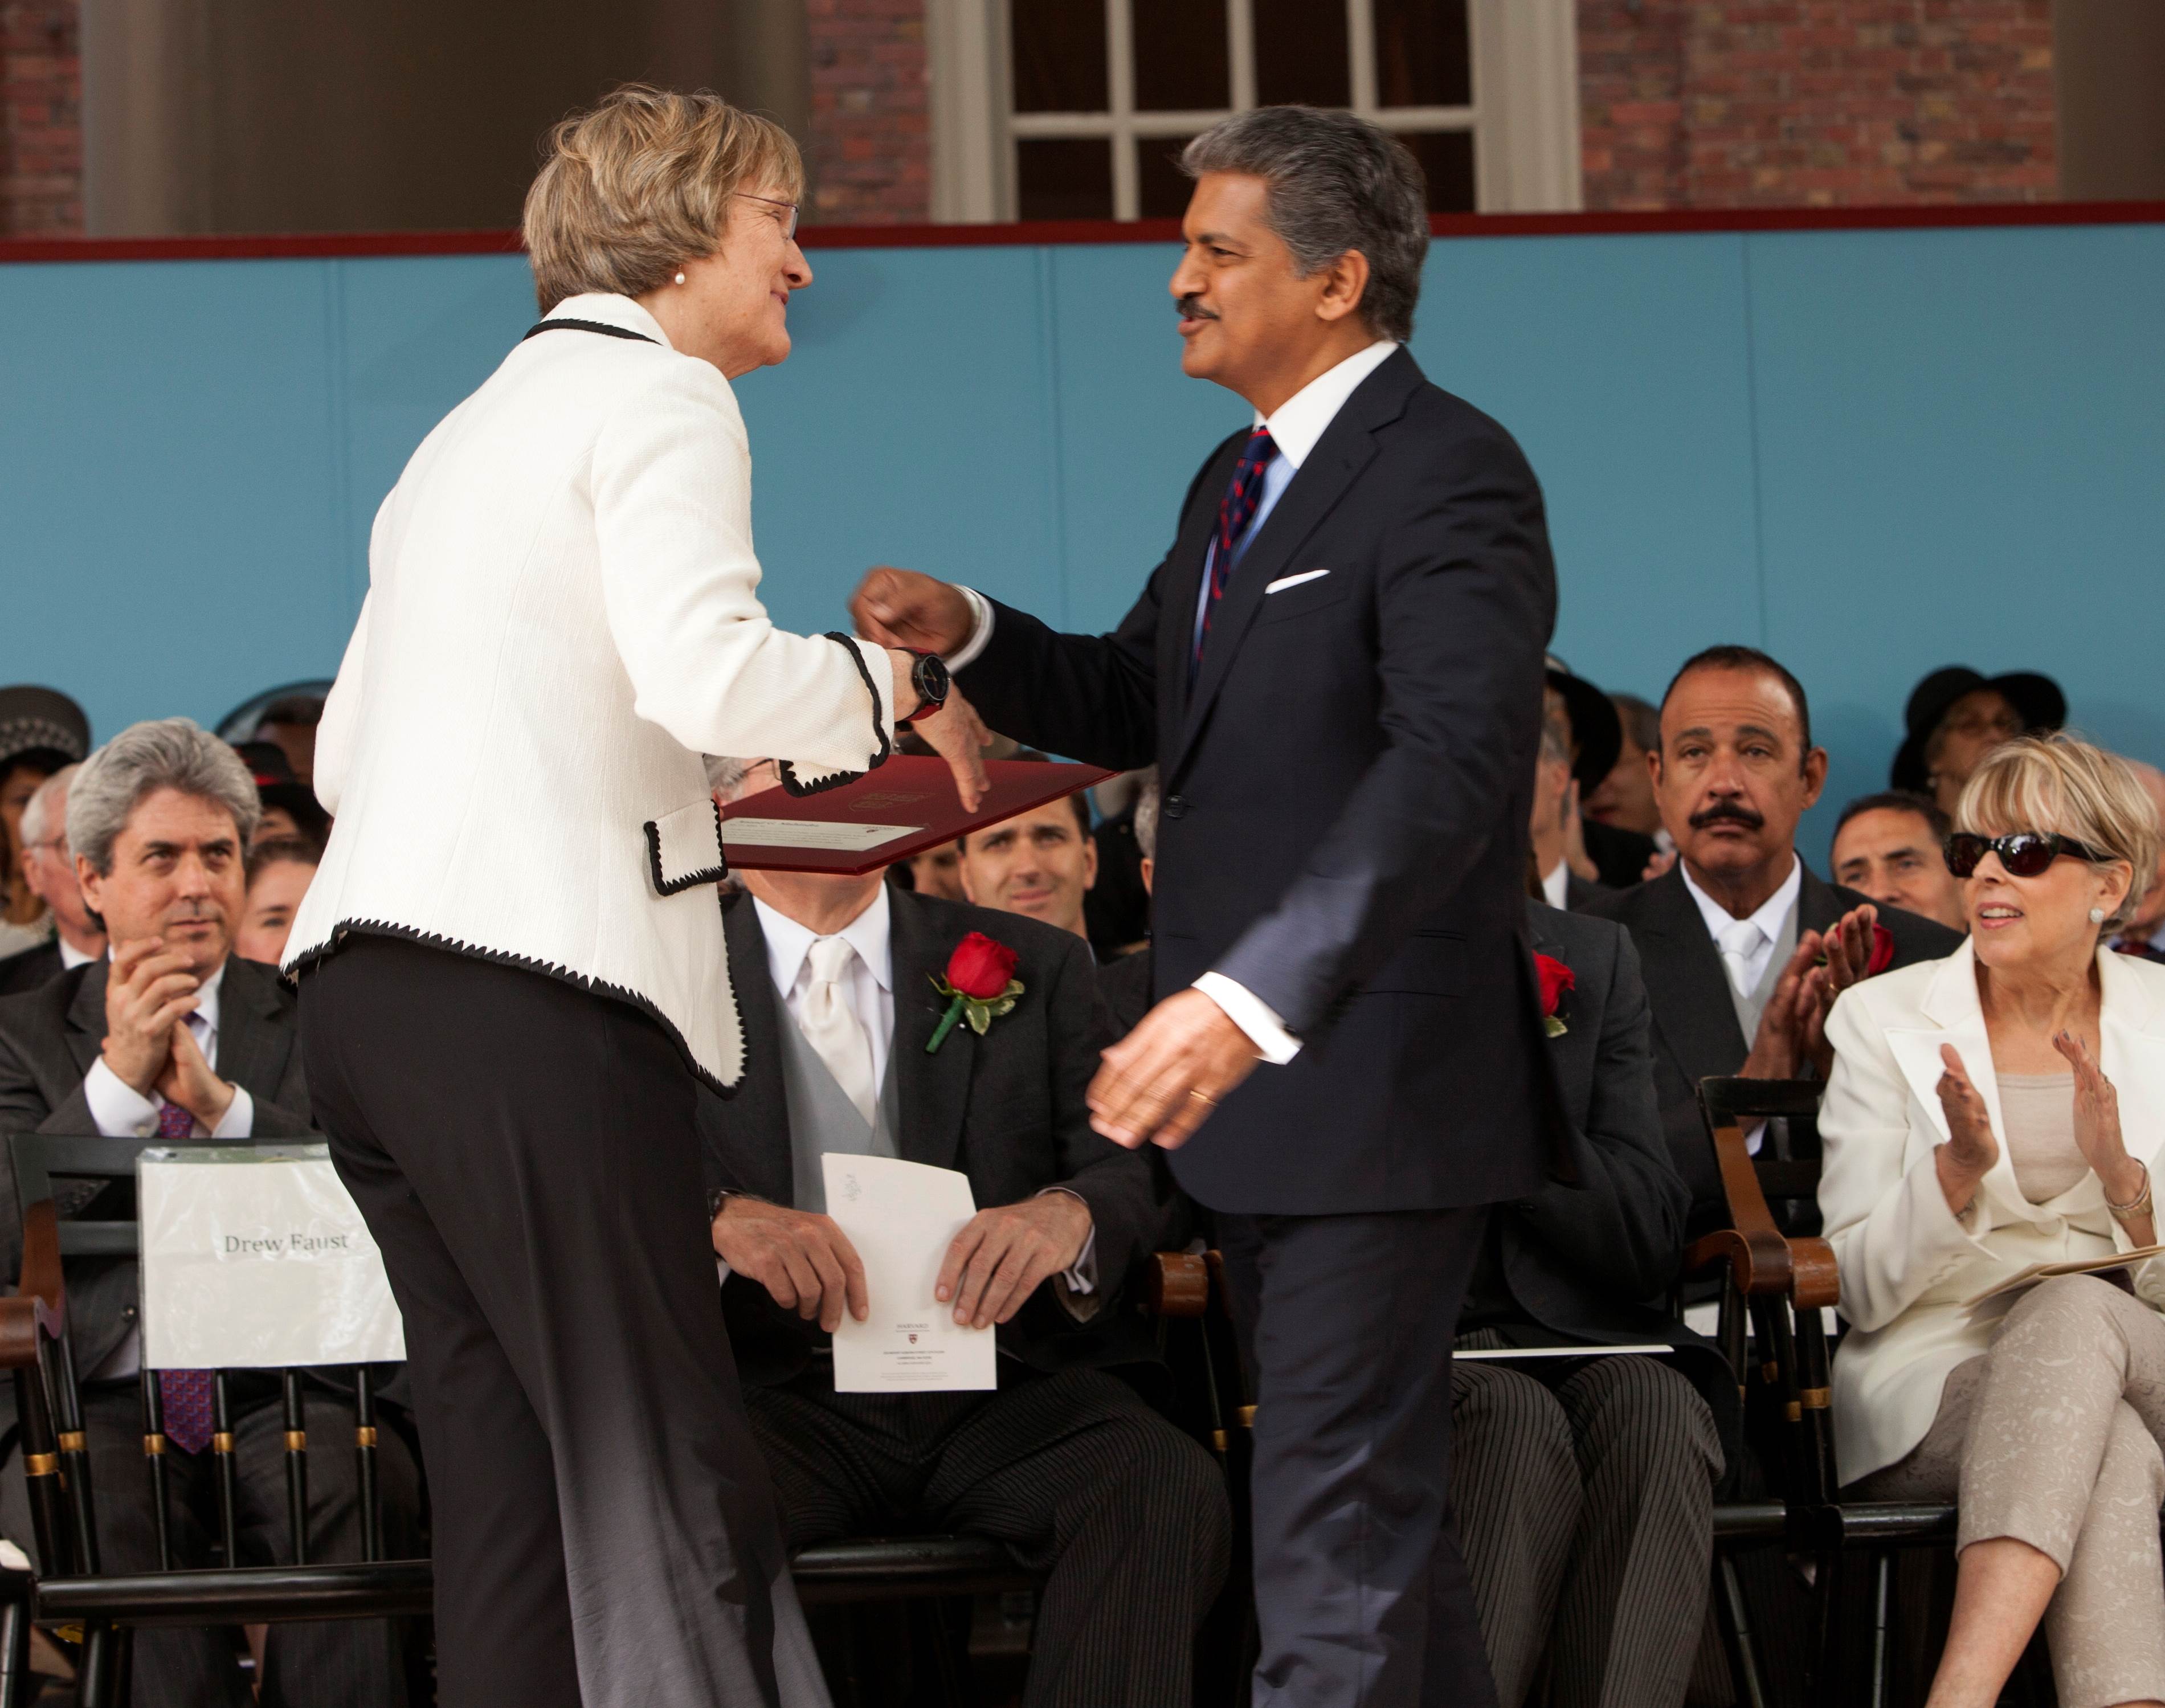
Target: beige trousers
[[2052, 1437]]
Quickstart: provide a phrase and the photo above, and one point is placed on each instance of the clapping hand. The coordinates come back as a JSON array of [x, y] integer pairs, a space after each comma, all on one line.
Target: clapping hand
[[150, 990], [1970, 1150], [2097, 1123], [188, 1080]]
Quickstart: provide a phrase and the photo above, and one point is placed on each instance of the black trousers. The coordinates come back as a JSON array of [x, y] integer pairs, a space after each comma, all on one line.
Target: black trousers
[[526, 1156], [1077, 1476], [1362, 1599], [334, 1664]]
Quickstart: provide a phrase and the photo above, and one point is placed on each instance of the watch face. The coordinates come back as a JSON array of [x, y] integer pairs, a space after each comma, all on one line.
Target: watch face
[[931, 678]]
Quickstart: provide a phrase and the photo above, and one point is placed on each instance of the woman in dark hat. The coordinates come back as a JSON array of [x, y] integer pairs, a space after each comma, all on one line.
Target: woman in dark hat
[[1956, 715], [41, 731]]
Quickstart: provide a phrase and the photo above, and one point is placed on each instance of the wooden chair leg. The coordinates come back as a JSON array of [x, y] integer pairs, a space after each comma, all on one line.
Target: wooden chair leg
[[1735, 1621]]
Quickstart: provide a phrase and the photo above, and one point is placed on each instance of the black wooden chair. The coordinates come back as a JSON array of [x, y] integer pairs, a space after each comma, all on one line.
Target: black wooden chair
[[1775, 1287], [73, 1595]]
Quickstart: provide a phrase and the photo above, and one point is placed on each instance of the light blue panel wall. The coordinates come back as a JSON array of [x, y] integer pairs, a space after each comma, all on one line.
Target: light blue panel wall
[[166, 497], [1620, 366], [912, 424], [1133, 428], [1876, 451], [1961, 448]]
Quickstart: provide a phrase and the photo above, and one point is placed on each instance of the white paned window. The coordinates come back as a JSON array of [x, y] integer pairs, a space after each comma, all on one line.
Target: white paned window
[[1075, 109]]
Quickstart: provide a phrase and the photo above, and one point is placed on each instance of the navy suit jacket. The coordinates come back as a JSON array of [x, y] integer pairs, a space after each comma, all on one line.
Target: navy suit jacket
[[1347, 783]]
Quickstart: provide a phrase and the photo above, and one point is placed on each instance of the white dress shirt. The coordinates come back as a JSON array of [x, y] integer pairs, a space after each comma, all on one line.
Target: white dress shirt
[[72, 957], [869, 990], [1295, 428], [1556, 885], [1748, 966], [122, 1112]]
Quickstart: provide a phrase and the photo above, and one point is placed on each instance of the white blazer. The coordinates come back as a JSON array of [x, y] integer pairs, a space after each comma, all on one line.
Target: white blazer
[[1906, 1263], [563, 614]]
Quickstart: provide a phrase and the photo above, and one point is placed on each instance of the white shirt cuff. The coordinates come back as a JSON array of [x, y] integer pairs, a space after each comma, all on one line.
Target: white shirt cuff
[[238, 1121], [981, 630], [120, 1111], [1252, 1015], [1082, 1277]]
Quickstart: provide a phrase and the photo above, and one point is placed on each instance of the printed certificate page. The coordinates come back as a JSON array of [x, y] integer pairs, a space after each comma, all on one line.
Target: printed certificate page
[[902, 1217]]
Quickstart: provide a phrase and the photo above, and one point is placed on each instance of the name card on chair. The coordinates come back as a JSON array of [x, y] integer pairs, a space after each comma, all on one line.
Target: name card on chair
[[256, 1256]]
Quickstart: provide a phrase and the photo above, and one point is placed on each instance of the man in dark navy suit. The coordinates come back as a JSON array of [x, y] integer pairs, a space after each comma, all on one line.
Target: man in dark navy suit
[[1338, 669]]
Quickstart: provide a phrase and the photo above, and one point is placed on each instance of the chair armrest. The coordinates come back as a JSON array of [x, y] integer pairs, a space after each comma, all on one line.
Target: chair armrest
[[1763, 1259], [1179, 1283], [40, 1301]]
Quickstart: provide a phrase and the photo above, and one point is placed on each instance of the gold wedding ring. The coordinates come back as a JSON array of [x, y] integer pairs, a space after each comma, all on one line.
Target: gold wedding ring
[[1201, 1097]]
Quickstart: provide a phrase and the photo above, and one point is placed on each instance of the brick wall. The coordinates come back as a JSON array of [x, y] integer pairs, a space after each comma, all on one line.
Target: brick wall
[[1815, 102], [40, 126], [872, 140]]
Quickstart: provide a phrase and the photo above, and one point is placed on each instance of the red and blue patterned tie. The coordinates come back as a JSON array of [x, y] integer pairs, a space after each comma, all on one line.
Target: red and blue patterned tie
[[1235, 511], [186, 1393]]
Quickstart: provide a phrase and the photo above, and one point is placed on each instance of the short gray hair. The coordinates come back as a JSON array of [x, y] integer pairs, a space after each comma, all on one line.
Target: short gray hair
[[38, 809], [165, 753], [1336, 184], [726, 776], [1148, 804]]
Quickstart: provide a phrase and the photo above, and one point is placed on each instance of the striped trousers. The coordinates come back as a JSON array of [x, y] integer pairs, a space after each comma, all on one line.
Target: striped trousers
[[1585, 1509], [1073, 1472]]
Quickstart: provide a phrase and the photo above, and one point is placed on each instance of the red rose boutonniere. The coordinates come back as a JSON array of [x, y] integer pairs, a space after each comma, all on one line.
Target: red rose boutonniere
[[981, 985], [1557, 981]]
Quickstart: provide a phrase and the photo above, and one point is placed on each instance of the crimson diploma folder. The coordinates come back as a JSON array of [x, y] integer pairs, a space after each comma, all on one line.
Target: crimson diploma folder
[[907, 805]]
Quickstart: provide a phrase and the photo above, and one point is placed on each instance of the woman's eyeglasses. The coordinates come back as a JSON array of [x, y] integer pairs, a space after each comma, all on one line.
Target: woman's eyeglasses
[[2025, 854], [788, 231]]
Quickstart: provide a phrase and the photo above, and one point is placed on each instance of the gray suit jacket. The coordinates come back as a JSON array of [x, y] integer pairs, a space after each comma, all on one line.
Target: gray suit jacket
[[49, 1038]]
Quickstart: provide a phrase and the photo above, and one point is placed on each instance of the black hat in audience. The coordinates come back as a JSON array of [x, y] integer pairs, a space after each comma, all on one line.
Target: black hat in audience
[[276, 787], [41, 726], [1596, 731], [2036, 699]]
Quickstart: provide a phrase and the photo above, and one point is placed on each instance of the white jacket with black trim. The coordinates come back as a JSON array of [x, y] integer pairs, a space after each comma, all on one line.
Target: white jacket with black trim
[[563, 615]]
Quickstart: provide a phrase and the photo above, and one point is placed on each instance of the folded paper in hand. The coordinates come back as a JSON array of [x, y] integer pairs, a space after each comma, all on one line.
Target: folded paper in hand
[[2073, 1265], [256, 1257], [902, 1217]]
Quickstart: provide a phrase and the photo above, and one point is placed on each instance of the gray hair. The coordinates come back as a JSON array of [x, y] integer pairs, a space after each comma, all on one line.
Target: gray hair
[[1147, 803], [1336, 184], [171, 753], [38, 810]]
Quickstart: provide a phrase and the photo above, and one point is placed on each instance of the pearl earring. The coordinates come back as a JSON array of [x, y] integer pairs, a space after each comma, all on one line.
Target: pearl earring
[[2097, 916], [680, 278]]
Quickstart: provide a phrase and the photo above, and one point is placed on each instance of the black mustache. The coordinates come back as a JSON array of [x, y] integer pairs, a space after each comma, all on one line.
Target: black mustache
[[1728, 813], [1191, 308]]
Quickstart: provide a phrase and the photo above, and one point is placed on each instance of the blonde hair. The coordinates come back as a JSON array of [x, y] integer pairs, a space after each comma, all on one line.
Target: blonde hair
[[634, 189], [2063, 785]]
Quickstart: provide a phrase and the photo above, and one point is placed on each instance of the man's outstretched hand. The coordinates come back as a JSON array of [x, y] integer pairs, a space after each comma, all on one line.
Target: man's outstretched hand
[[901, 608], [1161, 1081]]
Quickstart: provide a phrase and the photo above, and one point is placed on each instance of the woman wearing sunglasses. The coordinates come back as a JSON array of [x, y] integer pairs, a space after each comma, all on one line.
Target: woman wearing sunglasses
[[1999, 1108]]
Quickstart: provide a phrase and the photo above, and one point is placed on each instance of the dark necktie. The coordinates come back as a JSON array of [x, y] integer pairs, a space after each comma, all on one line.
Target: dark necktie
[[184, 1395], [1236, 510]]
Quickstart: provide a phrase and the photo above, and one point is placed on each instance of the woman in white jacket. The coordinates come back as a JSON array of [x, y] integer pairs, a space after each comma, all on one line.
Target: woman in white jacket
[[1997, 1109], [512, 951]]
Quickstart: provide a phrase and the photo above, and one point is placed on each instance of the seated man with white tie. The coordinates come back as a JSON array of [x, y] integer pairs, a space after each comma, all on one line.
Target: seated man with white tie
[[175, 1039], [1064, 1463]]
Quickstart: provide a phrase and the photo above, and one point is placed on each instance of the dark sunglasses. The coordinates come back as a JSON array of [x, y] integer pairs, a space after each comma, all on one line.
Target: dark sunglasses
[[2024, 853]]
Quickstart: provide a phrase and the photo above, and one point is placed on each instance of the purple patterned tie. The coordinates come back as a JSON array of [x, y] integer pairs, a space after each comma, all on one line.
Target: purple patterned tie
[[186, 1393], [1235, 511]]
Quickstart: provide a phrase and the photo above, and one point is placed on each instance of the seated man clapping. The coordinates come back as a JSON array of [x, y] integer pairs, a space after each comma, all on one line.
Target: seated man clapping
[[178, 1038], [1064, 1463]]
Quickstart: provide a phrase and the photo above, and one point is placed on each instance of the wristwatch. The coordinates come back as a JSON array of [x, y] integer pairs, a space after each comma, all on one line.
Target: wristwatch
[[929, 677]]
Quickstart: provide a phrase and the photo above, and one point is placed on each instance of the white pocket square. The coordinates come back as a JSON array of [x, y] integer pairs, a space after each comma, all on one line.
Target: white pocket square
[[1286, 581]]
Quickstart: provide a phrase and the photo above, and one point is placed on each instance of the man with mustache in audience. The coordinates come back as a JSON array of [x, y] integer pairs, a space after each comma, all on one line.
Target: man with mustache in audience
[[1732, 938]]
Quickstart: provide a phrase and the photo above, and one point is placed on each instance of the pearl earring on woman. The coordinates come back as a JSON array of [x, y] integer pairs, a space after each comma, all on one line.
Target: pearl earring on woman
[[2097, 916], [680, 278]]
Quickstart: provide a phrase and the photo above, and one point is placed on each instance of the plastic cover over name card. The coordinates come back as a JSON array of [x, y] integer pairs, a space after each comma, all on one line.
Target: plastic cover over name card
[[256, 1256]]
